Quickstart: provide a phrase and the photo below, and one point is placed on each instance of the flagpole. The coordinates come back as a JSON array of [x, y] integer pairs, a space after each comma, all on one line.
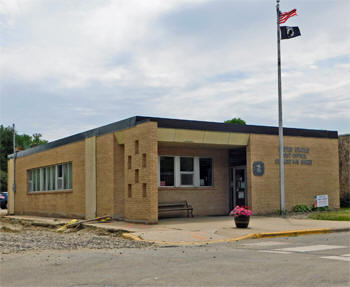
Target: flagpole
[[280, 122]]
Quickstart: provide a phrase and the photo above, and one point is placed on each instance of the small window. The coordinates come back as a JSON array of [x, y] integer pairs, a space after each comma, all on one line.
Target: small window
[[30, 181], [144, 160], [136, 147], [47, 178], [136, 176], [65, 176], [59, 170], [129, 162], [34, 179], [144, 190], [167, 171], [205, 172], [70, 180], [37, 187], [129, 190], [186, 171], [59, 177], [43, 176], [53, 177]]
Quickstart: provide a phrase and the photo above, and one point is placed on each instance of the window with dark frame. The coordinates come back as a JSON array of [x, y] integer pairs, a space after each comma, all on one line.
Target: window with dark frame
[[167, 174], [205, 172]]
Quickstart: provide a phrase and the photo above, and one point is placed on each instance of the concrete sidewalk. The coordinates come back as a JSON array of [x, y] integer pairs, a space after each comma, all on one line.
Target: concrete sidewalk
[[208, 229], [204, 229]]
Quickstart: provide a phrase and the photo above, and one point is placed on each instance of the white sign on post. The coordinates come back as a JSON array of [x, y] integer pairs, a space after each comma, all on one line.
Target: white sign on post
[[321, 200]]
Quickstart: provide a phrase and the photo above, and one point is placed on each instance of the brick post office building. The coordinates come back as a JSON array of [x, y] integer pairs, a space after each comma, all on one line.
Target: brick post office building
[[126, 168]]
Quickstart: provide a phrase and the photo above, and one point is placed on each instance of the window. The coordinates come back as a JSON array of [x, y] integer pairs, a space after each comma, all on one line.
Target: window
[[30, 181], [70, 180], [136, 176], [56, 177], [185, 171], [205, 172], [144, 190], [129, 161], [136, 147], [144, 160], [59, 178], [129, 190], [167, 171]]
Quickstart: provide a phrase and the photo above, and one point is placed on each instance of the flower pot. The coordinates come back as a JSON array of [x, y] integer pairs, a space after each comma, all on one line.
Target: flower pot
[[242, 221]]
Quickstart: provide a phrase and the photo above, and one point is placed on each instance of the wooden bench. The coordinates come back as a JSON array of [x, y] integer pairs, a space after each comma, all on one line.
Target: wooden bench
[[175, 206]]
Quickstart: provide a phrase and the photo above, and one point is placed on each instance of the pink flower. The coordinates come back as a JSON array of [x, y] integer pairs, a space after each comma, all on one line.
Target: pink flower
[[238, 211]]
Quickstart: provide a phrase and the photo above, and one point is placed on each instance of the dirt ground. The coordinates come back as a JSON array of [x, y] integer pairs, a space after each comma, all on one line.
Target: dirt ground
[[22, 236]]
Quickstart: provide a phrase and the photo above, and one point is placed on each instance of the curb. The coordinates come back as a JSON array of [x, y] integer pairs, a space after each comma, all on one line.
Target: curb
[[286, 233]]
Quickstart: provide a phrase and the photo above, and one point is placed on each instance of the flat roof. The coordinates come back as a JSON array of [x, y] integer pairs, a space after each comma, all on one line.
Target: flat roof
[[178, 124]]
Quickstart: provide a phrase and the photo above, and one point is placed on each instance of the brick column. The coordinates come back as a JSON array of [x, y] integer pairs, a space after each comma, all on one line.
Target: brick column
[[141, 173]]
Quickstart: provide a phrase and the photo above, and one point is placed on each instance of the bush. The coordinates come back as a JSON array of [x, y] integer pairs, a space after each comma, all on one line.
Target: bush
[[281, 212], [323, 208], [302, 208]]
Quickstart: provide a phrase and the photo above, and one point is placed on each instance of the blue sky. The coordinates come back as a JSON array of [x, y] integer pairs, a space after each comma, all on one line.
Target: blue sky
[[68, 66]]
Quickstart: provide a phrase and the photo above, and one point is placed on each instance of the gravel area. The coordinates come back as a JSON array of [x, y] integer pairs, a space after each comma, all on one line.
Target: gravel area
[[18, 238]]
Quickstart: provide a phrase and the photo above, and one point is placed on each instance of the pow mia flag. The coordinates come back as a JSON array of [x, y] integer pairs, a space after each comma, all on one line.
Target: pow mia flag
[[289, 32]]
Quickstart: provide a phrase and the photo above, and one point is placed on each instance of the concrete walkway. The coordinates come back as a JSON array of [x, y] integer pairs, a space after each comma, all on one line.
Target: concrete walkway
[[221, 228], [203, 229]]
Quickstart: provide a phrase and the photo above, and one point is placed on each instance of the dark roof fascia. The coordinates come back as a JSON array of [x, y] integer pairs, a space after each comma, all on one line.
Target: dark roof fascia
[[117, 126], [222, 127], [177, 124]]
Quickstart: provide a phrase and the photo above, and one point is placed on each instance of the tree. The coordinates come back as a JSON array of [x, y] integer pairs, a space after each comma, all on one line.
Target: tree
[[37, 141], [23, 141], [237, 121]]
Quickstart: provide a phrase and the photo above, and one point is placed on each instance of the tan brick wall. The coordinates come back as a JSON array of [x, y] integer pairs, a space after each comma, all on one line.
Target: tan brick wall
[[119, 186], [90, 178], [302, 182], [205, 200], [138, 207], [344, 164], [105, 174], [64, 203]]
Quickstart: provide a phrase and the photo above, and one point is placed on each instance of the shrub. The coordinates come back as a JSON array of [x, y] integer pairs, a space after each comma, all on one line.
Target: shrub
[[302, 208], [323, 208]]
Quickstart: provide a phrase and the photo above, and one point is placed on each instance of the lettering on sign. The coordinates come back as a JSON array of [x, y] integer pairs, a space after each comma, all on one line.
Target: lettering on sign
[[321, 200], [295, 156], [258, 168]]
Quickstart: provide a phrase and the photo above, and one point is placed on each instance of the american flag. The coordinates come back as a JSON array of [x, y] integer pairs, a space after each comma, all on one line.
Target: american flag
[[286, 15]]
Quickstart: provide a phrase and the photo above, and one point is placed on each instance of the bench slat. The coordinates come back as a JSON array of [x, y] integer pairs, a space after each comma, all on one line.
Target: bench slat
[[175, 206]]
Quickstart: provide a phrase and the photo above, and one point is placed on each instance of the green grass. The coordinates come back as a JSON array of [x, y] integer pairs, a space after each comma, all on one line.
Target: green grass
[[341, 215]]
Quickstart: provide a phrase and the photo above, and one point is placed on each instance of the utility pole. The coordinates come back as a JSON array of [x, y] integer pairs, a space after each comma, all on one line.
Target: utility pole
[[280, 122], [14, 159]]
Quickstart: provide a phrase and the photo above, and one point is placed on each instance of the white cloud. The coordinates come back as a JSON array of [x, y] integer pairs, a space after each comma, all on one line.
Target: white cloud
[[94, 62]]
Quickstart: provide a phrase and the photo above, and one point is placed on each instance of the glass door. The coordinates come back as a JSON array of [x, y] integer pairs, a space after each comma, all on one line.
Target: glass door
[[240, 186]]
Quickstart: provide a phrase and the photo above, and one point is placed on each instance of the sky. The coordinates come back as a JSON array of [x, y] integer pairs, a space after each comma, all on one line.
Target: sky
[[69, 66]]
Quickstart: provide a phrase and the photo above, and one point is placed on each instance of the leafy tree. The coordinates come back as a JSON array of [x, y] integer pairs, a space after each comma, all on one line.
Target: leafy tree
[[237, 121], [23, 141], [37, 140]]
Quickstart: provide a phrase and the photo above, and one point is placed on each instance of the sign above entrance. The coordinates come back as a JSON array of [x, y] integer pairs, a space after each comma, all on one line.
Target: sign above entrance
[[296, 156], [258, 168]]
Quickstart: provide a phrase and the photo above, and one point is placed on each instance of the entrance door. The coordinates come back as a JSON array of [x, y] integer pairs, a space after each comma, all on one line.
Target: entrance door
[[239, 186]]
